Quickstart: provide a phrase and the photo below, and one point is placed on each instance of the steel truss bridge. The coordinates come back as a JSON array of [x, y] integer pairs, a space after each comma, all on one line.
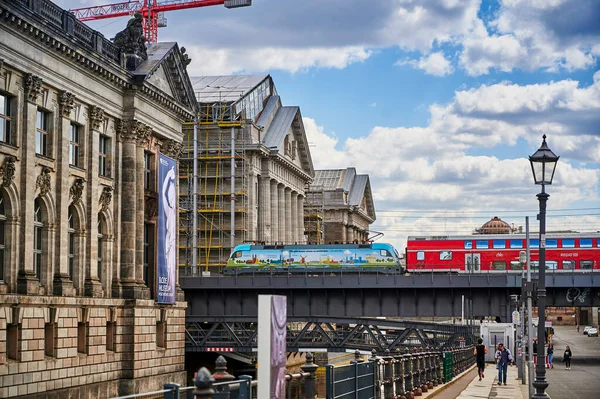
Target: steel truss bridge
[[331, 334], [330, 308]]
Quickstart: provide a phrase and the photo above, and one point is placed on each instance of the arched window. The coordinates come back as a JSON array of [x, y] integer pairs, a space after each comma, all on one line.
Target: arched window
[[38, 224], [71, 233], [100, 246], [2, 235]]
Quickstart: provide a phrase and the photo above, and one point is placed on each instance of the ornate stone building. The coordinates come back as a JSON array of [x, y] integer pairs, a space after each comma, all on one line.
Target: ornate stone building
[[347, 203], [81, 124]]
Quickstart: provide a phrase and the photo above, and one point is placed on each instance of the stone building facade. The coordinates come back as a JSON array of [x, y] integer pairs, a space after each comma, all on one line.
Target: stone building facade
[[81, 124], [242, 122], [347, 203]]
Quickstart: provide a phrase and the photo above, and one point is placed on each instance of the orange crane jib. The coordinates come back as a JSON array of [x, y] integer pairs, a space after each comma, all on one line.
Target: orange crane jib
[[149, 10]]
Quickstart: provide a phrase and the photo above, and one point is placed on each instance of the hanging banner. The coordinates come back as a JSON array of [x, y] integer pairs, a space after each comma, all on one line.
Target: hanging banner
[[167, 229]]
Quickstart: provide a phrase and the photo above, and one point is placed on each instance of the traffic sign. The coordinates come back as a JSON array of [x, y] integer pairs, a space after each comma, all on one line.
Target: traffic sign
[[516, 317]]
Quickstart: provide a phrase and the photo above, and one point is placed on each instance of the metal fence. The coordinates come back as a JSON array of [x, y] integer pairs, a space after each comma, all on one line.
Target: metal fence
[[398, 375]]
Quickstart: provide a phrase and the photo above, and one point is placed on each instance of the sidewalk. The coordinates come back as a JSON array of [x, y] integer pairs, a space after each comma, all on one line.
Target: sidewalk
[[488, 387]]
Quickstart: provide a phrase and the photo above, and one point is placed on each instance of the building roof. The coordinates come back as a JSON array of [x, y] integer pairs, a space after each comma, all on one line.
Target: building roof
[[495, 226], [230, 88], [357, 187]]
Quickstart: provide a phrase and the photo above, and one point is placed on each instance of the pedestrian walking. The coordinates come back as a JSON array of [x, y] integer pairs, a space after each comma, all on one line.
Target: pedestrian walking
[[503, 358], [567, 358], [550, 355], [479, 352]]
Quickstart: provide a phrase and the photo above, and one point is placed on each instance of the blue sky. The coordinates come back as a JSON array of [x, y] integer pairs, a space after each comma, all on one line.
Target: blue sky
[[439, 101]]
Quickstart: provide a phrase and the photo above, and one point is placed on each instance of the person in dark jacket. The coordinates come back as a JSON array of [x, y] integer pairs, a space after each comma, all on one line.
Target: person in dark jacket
[[479, 352], [504, 358], [567, 358]]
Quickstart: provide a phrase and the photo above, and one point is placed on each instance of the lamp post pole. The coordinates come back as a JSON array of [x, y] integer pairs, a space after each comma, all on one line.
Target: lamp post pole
[[540, 383], [543, 165]]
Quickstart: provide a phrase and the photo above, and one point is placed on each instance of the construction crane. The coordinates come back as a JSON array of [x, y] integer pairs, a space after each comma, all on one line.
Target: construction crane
[[152, 11]]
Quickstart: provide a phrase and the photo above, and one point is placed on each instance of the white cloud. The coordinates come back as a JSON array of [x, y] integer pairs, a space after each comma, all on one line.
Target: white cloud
[[433, 64], [373, 105]]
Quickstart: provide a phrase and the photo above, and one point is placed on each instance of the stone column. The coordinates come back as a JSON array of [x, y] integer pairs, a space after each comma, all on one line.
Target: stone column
[[301, 236], [281, 207], [142, 134], [293, 217], [92, 285], [274, 212], [288, 215], [264, 209], [252, 205], [127, 131], [27, 282], [63, 283], [350, 234]]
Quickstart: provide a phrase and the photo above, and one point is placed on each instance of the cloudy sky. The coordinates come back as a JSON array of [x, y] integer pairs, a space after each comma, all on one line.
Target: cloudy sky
[[439, 101]]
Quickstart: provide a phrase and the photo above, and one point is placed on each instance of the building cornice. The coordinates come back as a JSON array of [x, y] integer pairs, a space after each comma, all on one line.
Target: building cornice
[[83, 40]]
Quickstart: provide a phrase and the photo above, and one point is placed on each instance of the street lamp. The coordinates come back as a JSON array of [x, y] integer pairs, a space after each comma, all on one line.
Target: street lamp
[[543, 164]]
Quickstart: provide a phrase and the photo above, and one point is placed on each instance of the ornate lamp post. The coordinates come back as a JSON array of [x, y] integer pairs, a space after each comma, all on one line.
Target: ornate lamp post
[[543, 164]]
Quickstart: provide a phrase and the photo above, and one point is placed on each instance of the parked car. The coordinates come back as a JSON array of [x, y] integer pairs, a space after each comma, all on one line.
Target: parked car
[[592, 332], [586, 329]]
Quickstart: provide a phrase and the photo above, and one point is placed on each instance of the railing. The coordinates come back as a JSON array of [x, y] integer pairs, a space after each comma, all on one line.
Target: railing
[[398, 375]]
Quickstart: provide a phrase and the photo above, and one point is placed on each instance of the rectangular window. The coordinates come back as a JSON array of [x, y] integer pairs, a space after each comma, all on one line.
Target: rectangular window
[[82, 337], [146, 251], [482, 244], [586, 243], [49, 336], [37, 250], [5, 120], [499, 243], [12, 341], [534, 243], [552, 243], [148, 186], [516, 243], [586, 264], [161, 334], [468, 244], [551, 265], [103, 154], [568, 265], [535, 265], [420, 255], [515, 265], [568, 243], [74, 145], [42, 134], [445, 255], [111, 329], [499, 265]]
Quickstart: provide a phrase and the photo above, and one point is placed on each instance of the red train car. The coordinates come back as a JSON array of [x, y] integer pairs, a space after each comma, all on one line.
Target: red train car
[[577, 252]]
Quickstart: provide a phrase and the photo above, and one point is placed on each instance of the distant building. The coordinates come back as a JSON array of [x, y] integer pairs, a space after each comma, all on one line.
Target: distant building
[[346, 201], [496, 226], [242, 122], [82, 123]]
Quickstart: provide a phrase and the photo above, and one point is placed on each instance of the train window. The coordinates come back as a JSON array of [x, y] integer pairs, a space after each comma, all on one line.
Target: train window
[[568, 264], [384, 252], [515, 265], [586, 264], [482, 244], [586, 243], [499, 244], [468, 244], [445, 255], [236, 254], [551, 243], [551, 265], [420, 255], [516, 243], [568, 243], [534, 243], [499, 265], [535, 265]]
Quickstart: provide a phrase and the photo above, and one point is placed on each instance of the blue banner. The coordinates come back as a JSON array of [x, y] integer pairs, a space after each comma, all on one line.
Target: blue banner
[[167, 229]]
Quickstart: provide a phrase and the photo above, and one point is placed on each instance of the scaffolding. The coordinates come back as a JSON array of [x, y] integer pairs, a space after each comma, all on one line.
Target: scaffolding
[[314, 214], [216, 144]]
